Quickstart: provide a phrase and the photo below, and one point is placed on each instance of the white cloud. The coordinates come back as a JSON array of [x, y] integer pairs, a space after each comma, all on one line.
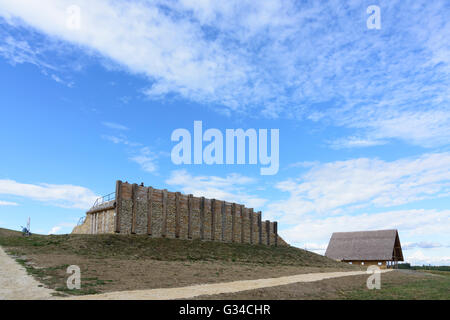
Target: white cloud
[[143, 156], [229, 188], [314, 233], [410, 223], [422, 244], [146, 159], [355, 142], [311, 59], [331, 187], [67, 227], [113, 125], [419, 258], [62, 195], [121, 139], [19, 51], [8, 203]]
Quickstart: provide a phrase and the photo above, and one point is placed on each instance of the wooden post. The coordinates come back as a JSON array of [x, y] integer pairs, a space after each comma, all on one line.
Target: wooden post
[[242, 223], [223, 220], [268, 232], [275, 231], [164, 213], [233, 221], [189, 216], [134, 207], [177, 215], [202, 218], [149, 210], [250, 215], [213, 219], [259, 228], [118, 205]]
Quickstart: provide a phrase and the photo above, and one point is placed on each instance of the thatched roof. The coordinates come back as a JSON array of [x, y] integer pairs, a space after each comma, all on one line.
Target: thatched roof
[[379, 245]]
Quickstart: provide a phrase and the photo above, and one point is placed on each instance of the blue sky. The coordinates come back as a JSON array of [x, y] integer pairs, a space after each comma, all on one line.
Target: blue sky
[[363, 114]]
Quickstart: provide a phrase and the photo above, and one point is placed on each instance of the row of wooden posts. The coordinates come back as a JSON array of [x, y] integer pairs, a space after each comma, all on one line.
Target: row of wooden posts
[[202, 216]]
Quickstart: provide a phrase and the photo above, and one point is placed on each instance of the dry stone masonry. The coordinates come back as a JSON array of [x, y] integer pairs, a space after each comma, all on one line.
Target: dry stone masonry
[[159, 213]]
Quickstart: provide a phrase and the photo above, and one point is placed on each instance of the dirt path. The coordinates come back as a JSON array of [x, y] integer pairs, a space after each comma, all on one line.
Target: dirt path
[[16, 284], [215, 288]]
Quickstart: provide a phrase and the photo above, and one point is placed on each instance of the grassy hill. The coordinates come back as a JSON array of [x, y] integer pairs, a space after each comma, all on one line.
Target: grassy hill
[[131, 262], [141, 246], [8, 233]]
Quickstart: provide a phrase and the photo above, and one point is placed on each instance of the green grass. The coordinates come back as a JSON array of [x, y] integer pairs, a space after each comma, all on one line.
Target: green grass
[[51, 277], [435, 287], [143, 247]]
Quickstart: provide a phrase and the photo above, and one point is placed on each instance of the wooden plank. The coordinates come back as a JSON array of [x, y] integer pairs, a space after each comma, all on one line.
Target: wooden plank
[[268, 232], [118, 205], [259, 228], [275, 231], [149, 210], [250, 215], [223, 220], [202, 218], [164, 213], [177, 215], [233, 221], [189, 216], [134, 207], [242, 222], [213, 219]]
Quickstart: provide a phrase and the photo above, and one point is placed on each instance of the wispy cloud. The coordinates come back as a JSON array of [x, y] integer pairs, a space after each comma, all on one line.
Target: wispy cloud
[[8, 203], [229, 188], [146, 159], [140, 154], [419, 258], [422, 245], [113, 125], [313, 60], [62, 195], [331, 187], [355, 142], [121, 139], [411, 223], [67, 227]]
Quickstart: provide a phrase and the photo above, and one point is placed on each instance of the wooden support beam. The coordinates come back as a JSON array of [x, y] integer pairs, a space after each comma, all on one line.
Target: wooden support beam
[[250, 216], [275, 231], [133, 207], [149, 210], [233, 221], [242, 223], [213, 219], [259, 228], [223, 220], [189, 216], [164, 213], [202, 218], [118, 205], [268, 232], [177, 215]]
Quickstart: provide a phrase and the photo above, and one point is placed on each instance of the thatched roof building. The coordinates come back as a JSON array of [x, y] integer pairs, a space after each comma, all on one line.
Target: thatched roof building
[[380, 247]]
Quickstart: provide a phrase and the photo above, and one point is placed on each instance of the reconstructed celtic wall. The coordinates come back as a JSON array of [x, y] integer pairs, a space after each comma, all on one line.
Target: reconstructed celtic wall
[[159, 213]]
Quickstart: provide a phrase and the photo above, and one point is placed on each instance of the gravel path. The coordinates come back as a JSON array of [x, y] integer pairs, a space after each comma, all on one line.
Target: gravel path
[[216, 288], [16, 284]]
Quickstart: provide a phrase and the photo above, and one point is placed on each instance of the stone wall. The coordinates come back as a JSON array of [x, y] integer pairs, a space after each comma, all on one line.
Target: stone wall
[[160, 213], [98, 220]]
